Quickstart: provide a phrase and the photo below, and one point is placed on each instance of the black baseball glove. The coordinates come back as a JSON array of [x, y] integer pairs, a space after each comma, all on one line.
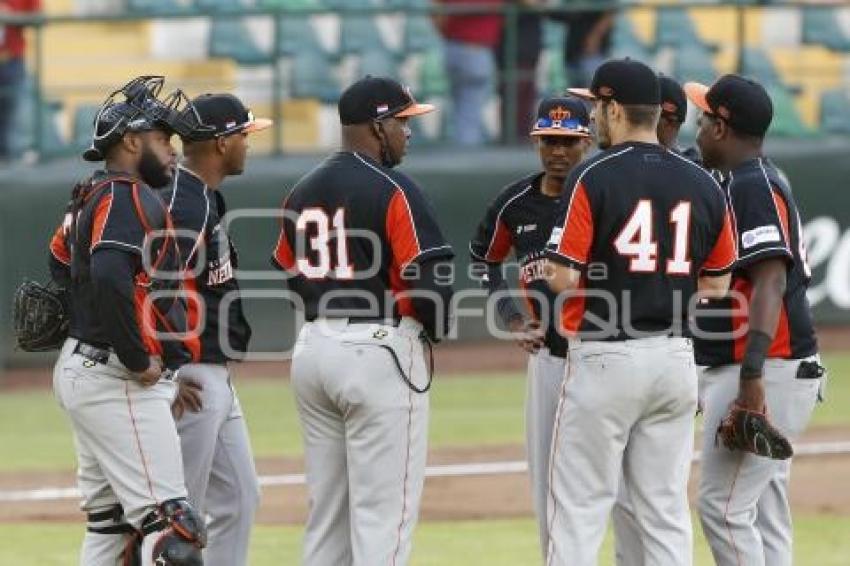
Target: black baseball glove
[[41, 316], [751, 431]]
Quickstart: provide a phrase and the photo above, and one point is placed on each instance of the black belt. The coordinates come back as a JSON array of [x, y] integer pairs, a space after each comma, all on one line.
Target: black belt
[[93, 353], [558, 350]]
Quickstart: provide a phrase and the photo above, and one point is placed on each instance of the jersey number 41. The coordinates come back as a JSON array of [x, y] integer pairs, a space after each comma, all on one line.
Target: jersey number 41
[[636, 241]]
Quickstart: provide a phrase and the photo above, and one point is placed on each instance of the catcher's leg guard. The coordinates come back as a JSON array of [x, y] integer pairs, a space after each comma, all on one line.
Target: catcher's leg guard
[[110, 537], [174, 535]]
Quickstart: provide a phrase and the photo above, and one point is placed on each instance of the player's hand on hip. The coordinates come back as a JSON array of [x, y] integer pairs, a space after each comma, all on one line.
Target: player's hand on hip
[[528, 334], [751, 394], [151, 375], [188, 397]]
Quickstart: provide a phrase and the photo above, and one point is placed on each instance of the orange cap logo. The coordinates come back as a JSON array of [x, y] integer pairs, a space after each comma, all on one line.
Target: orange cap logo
[[559, 114]]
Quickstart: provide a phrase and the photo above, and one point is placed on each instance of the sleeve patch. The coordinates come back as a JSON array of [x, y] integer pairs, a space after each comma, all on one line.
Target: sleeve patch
[[760, 235], [555, 239]]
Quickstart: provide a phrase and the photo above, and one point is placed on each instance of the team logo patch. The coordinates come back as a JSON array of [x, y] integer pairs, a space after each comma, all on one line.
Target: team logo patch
[[559, 114], [88, 364], [380, 333], [382, 108], [760, 235], [555, 239], [231, 124]]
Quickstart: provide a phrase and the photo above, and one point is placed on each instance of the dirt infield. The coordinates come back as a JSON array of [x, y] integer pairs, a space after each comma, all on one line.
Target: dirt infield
[[817, 485]]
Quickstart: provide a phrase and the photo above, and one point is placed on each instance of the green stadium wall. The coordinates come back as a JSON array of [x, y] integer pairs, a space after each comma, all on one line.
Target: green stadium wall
[[459, 184]]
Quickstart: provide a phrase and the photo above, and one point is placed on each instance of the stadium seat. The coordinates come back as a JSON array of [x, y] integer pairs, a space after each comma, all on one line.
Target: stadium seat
[[420, 34], [297, 36], [674, 28], [359, 34], [377, 62], [291, 4], [81, 131], [625, 42], [820, 25], [230, 38], [154, 7], [834, 118], [758, 65], [432, 75], [786, 119], [49, 140], [312, 77], [693, 63]]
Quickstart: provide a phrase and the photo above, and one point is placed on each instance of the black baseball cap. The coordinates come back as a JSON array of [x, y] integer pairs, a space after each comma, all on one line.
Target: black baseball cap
[[562, 116], [741, 102], [222, 115], [626, 81], [375, 98], [673, 100]]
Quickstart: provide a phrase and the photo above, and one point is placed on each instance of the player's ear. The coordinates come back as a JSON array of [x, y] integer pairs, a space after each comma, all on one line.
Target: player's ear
[[221, 145], [132, 142]]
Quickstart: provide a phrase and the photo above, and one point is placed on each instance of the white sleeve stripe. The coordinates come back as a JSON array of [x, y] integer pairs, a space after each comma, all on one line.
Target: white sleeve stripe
[[785, 232], [763, 250], [398, 188], [499, 218], [117, 243], [422, 253], [578, 181], [571, 258]]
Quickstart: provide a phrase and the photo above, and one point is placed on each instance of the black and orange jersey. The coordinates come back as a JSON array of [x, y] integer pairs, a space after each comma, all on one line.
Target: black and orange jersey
[[197, 212], [768, 226], [641, 223], [521, 218], [352, 234], [115, 269]]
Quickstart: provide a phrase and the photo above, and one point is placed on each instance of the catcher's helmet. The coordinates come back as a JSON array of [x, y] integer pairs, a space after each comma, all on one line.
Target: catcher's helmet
[[140, 111]]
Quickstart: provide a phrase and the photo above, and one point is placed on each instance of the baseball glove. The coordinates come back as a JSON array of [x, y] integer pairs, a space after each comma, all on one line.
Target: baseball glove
[[40, 316], [751, 431]]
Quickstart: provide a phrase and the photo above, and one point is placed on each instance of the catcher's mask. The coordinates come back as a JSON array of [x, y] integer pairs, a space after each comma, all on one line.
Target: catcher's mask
[[140, 111]]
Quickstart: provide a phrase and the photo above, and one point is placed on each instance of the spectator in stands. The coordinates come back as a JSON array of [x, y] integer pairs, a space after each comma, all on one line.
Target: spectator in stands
[[588, 43], [12, 72], [470, 64], [529, 43]]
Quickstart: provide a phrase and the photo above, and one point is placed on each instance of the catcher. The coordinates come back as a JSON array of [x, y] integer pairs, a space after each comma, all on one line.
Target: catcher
[[764, 367], [114, 376]]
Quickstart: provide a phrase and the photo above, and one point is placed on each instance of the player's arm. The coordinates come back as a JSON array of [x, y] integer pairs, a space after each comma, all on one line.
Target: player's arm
[[764, 255], [415, 238], [59, 258], [116, 257], [716, 272], [488, 249], [112, 274], [569, 246]]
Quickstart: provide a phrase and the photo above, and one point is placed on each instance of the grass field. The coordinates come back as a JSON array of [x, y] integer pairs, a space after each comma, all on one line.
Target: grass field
[[820, 541], [471, 410]]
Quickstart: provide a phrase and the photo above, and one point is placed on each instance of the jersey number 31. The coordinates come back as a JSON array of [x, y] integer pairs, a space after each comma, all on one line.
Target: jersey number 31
[[636, 240], [316, 220]]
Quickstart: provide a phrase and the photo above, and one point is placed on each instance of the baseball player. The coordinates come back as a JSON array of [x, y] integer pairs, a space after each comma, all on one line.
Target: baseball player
[[110, 378], [521, 219], [768, 357], [674, 111], [371, 270], [641, 230], [217, 459]]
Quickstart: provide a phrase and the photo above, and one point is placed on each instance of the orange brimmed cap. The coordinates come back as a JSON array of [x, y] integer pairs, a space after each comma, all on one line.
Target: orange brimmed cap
[[377, 98]]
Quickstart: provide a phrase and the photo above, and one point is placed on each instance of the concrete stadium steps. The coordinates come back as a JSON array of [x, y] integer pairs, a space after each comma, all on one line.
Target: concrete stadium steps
[[55, 7], [814, 69], [643, 22], [307, 125], [90, 41]]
